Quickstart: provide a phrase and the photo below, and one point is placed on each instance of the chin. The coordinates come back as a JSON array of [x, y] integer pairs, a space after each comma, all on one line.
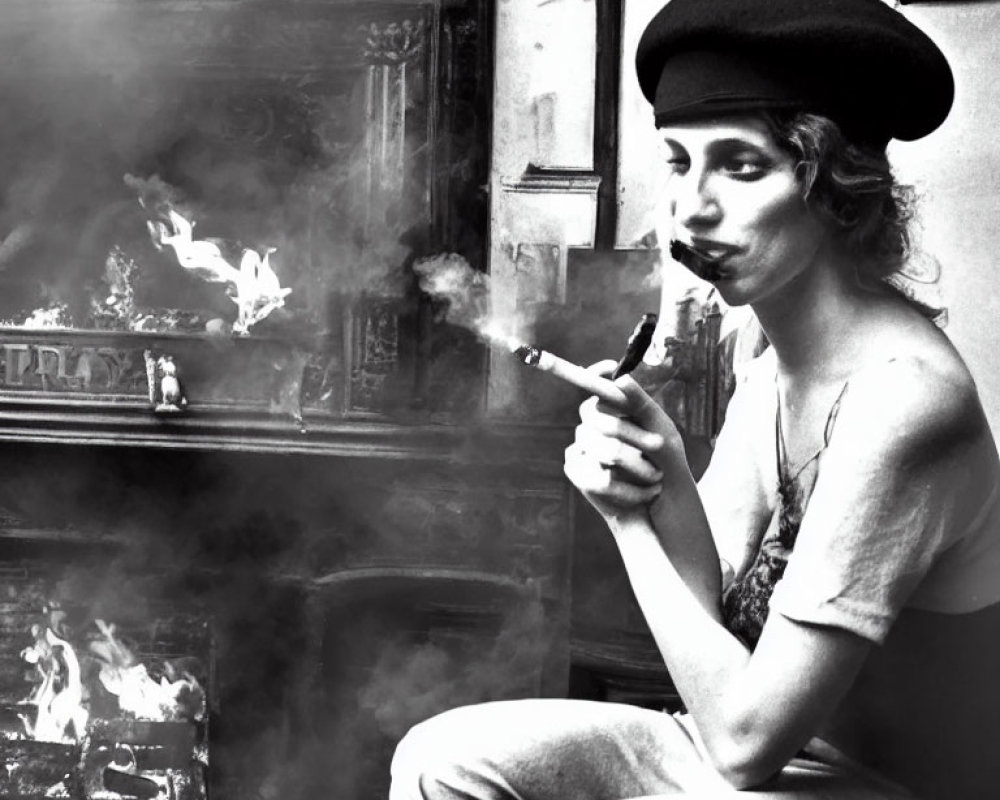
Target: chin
[[732, 293]]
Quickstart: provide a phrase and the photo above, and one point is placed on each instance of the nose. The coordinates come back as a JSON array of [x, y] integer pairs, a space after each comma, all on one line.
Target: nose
[[692, 201]]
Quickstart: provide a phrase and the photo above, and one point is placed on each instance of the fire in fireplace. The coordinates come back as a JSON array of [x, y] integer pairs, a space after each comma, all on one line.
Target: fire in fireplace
[[92, 708]]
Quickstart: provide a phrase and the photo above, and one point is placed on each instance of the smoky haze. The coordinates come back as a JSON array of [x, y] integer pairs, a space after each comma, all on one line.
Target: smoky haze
[[97, 91], [254, 121]]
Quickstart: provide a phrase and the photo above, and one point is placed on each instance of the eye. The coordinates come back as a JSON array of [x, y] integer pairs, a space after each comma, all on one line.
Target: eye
[[745, 167], [674, 156], [678, 165]]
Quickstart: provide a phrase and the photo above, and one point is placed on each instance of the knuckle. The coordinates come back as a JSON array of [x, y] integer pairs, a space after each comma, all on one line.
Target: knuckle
[[656, 442], [588, 406], [612, 453], [623, 453], [602, 367]]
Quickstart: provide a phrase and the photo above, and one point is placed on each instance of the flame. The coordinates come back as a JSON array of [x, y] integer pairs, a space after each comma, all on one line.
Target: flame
[[201, 257], [138, 693], [254, 287], [59, 695], [258, 290], [55, 315]]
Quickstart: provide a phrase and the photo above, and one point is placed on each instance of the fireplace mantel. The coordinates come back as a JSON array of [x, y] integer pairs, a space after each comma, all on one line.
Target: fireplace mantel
[[133, 424], [239, 394]]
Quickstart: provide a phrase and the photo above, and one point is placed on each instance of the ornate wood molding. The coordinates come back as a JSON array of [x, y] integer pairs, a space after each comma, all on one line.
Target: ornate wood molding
[[243, 394], [534, 450], [238, 37]]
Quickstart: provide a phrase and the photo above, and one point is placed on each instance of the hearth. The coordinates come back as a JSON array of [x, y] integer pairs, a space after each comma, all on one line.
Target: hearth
[[282, 619], [106, 671]]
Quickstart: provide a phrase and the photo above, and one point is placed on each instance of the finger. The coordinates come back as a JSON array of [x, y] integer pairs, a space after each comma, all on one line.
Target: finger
[[614, 453], [602, 484], [648, 414], [619, 427], [603, 489], [589, 406], [640, 472], [603, 368], [641, 407]]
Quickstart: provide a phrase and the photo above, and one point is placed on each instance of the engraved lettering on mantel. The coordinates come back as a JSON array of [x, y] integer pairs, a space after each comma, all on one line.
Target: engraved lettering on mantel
[[70, 368]]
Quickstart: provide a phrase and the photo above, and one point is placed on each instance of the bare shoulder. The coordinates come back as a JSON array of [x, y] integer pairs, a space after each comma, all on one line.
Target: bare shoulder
[[920, 400]]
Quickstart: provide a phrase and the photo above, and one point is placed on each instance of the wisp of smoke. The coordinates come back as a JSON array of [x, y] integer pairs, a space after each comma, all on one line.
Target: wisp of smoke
[[465, 291]]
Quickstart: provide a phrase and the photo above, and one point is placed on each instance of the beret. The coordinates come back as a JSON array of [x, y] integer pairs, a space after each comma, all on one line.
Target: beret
[[859, 62]]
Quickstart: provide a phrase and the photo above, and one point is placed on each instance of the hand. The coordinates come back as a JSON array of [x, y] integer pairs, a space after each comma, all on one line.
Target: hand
[[620, 454]]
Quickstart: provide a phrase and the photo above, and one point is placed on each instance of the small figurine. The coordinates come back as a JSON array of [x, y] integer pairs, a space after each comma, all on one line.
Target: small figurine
[[171, 393], [170, 398]]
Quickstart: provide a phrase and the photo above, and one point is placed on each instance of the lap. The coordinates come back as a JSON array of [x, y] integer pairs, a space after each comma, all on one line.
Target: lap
[[582, 750]]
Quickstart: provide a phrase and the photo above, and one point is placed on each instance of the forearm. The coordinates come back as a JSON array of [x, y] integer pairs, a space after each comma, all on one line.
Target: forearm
[[704, 660], [681, 526]]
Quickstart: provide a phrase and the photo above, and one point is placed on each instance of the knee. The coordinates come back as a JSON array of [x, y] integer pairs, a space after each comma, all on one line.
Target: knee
[[423, 765], [450, 756], [406, 760]]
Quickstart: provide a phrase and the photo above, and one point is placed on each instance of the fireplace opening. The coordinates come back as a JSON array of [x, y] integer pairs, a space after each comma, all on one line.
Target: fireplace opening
[[106, 676], [303, 613], [120, 680]]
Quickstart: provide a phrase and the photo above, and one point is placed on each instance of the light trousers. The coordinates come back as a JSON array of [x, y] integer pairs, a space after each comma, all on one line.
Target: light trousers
[[585, 750]]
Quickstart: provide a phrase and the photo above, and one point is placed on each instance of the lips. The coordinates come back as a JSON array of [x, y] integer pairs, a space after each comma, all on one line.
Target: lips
[[703, 258], [714, 249]]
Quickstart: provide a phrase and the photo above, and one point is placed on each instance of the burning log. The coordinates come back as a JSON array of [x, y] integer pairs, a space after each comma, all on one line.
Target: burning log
[[170, 698], [141, 758], [130, 785], [175, 735], [155, 749], [38, 769]]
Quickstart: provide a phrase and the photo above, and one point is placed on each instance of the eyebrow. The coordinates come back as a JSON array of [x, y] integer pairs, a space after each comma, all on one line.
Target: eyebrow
[[728, 142]]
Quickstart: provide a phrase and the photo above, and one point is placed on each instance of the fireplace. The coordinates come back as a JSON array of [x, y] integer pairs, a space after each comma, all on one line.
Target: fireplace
[[304, 610], [249, 475]]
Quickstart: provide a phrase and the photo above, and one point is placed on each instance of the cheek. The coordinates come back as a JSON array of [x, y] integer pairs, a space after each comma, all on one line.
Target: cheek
[[663, 217], [785, 224]]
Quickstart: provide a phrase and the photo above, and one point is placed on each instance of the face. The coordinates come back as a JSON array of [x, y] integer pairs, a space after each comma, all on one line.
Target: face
[[733, 196]]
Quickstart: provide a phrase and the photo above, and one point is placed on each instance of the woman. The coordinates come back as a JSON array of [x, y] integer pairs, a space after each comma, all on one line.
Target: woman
[[827, 598]]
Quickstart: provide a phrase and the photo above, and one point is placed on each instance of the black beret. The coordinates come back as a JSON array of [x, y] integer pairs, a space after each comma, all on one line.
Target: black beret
[[859, 62]]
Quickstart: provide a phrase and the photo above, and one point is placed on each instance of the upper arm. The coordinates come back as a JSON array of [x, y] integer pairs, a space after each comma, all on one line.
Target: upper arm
[[898, 482]]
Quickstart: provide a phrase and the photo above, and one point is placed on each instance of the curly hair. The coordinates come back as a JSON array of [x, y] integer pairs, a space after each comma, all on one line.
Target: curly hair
[[853, 186]]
